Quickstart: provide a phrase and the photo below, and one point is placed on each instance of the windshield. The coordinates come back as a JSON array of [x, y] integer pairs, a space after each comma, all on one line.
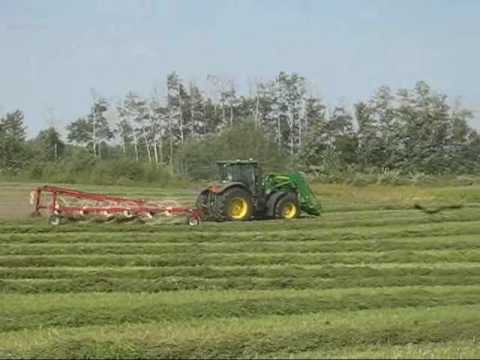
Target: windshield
[[241, 173]]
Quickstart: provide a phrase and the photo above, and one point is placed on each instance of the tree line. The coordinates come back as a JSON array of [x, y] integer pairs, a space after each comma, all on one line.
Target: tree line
[[410, 130]]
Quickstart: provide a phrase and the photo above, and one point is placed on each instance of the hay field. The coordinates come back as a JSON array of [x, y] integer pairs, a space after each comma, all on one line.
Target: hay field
[[372, 277]]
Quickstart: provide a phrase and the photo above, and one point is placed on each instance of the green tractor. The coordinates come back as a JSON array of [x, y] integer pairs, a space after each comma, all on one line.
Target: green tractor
[[243, 193]]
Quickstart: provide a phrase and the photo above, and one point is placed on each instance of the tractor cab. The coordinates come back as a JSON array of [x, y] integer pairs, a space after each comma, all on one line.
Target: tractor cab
[[240, 171]]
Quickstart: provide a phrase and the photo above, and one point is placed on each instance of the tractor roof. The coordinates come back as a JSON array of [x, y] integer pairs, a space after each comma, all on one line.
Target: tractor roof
[[238, 162]]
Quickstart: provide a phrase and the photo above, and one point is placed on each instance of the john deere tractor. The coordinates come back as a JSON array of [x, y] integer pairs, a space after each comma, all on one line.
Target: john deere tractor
[[243, 193]]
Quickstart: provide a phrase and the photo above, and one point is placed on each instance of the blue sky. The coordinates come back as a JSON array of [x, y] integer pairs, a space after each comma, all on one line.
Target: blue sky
[[53, 52]]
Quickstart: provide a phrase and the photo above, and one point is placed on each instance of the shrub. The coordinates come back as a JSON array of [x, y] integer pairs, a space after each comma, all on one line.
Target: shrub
[[85, 169], [243, 141], [464, 180], [390, 177], [420, 178], [360, 179]]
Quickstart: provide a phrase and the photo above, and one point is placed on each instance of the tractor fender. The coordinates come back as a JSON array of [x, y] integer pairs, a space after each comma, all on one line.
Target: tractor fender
[[272, 201], [220, 188]]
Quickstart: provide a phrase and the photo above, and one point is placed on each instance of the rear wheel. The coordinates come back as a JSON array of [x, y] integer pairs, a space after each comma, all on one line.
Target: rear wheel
[[287, 207], [237, 204]]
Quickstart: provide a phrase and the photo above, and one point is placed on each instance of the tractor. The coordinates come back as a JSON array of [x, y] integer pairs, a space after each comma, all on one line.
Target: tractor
[[243, 193]]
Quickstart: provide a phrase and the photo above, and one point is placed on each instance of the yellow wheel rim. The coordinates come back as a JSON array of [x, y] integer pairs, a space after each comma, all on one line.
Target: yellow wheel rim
[[289, 211], [238, 208]]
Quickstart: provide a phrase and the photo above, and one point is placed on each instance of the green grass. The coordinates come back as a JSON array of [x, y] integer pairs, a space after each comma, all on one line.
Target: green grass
[[461, 242], [37, 286], [372, 277], [34, 312], [241, 337], [223, 272], [460, 349], [216, 259]]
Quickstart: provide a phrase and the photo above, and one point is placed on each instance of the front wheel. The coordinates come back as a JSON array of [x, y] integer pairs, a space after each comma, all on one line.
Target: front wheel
[[287, 207]]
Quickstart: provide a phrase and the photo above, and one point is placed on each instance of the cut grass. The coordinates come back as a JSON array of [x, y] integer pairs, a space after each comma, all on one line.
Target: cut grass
[[29, 312], [234, 338], [213, 259], [224, 272], [280, 231], [358, 281], [462, 349], [464, 242], [352, 218], [175, 283]]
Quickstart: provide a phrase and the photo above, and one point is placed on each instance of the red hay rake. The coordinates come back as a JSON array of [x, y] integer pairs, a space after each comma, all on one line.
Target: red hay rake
[[65, 203]]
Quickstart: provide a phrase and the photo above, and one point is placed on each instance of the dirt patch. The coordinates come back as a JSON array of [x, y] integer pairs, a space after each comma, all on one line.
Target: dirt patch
[[15, 201]]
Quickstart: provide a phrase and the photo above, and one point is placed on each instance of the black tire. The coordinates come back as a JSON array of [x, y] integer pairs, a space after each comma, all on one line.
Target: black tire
[[226, 202], [192, 221], [202, 204], [202, 199], [287, 207]]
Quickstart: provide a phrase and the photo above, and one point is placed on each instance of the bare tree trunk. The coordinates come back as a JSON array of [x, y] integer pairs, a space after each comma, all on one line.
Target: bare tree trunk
[[300, 133], [292, 144], [155, 151], [147, 145], [257, 108], [192, 115], [94, 134], [231, 115], [204, 119], [223, 113], [181, 114], [160, 150], [170, 135], [279, 133], [291, 125], [135, 140]]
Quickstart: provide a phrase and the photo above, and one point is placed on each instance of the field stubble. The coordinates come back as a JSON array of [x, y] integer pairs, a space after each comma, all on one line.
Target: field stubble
[[372, 277]]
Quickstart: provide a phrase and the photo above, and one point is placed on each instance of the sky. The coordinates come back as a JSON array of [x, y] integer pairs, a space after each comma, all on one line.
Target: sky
[[54, 52]]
